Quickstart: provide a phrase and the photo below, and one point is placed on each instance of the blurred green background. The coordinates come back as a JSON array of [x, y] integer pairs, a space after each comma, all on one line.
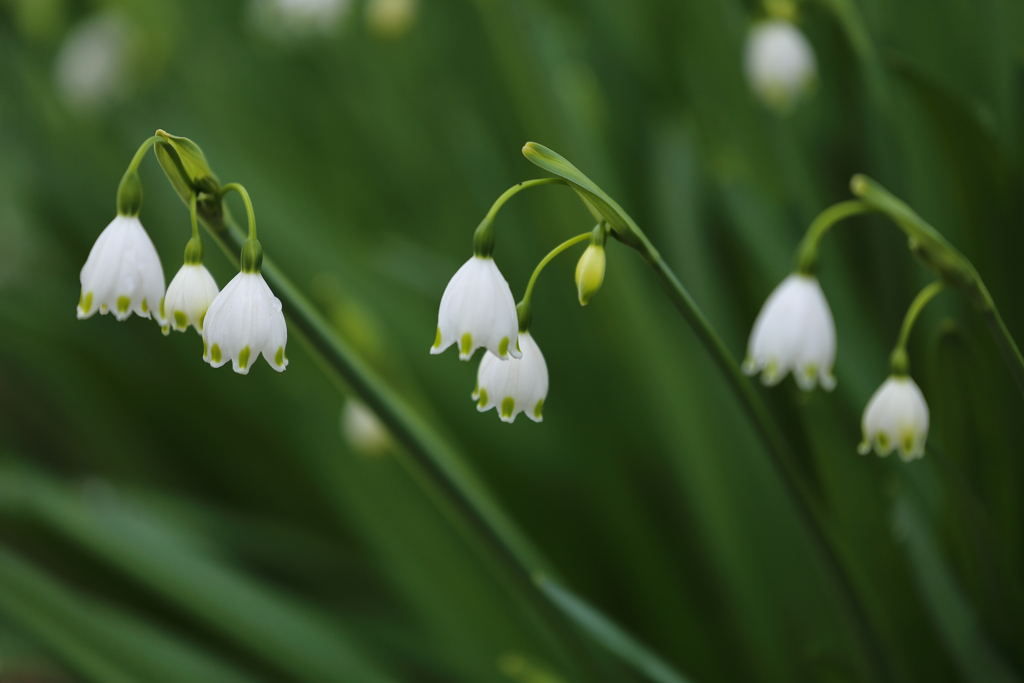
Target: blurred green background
[[161, 521]]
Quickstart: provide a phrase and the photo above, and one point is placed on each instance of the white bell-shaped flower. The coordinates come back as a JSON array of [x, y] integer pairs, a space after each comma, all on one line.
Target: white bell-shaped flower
[[477, 309], [780, 63], [189, 296], [896, 417], [513, 386], [123, 274], [243, 321], [794, 332]]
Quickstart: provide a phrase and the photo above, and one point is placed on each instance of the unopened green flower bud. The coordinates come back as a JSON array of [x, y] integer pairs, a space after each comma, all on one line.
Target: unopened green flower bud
[[185, 166], [590, 272]]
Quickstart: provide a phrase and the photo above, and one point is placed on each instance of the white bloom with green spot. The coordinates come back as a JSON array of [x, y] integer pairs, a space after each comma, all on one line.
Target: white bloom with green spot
[[243, 321], [518, 385], [123, 274], [189, 296], [896, 417], [477, 309], [780, 63], [794, 332]]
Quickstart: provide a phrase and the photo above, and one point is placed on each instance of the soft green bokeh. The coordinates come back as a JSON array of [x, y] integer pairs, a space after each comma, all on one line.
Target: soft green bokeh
[[163, 521]]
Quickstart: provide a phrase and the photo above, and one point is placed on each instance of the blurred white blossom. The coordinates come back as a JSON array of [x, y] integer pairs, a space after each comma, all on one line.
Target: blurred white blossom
[[896, 417], [780, 63], [794, 332], [92, 65]]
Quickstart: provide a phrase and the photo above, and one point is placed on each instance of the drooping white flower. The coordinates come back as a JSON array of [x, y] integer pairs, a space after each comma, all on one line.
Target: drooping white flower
[[780, 63], [123, 274], [243, 321], [363, 430], [189, 296], [513, 386], [477, 309], [794, 332], [896, 417]]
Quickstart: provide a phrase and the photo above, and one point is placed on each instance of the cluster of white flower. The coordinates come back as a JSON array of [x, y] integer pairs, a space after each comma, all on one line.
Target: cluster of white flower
[[478, 310], [123, 274], [795, 332]]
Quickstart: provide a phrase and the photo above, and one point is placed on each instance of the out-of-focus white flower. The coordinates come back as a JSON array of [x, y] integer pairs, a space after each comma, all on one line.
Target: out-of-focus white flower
[[123, 274], [391, 18], [794, 332], [91, 69], [896, 417], [363, 429], [284, 19], [477, 309], [189, 296], [244, 320], [513, 386], [780, 63], [590, 273]]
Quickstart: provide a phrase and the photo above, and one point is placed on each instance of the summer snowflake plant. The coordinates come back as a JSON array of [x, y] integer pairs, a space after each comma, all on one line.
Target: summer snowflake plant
[[477, 309], [123, 273]]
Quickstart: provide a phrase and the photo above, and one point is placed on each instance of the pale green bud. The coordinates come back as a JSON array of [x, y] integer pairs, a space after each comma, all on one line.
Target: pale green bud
[[590, 273]]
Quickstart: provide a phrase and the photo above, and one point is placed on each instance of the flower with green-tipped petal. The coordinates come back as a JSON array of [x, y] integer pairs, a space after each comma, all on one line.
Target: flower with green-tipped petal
[[896, 417], [123, 274], [518, 385], [794, 332], [243, 321], [477, 309], [189, 296]]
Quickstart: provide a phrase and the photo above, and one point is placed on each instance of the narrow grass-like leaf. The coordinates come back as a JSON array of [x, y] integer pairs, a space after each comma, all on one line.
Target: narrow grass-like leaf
[[96, 641], [270, 625], [609, 634]]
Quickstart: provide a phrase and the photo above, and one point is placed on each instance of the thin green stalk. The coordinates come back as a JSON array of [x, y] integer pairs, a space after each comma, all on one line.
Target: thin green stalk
[[547, 259], [899, 363], [516, 189], [133, 167], [248, 205], [825, 536], [807, 252], [947, 262]]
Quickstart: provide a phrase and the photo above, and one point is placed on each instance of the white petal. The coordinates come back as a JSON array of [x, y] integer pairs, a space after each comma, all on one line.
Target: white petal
[[896, 417], [477, 309], [794, 332], [244, 321], [189, 296], [123, 273], [516, 385]]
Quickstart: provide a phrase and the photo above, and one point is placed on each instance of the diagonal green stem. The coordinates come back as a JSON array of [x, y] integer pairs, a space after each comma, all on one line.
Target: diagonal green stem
[[826, 537], [547, 259], [899, 363], [427, 458]]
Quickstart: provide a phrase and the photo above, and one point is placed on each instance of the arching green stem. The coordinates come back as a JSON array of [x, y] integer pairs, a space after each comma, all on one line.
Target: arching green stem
[[945, 261], [248, 205], [194, 248], [807, 252], [523, 308], [129, 191], [899, 363], [483, 237]]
